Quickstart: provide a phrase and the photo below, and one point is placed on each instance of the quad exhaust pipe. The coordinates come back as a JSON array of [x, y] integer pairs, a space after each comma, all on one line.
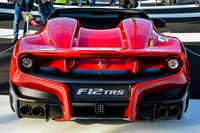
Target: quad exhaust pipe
[[163, 111], [36, 111], [26, 110], [173, 111]]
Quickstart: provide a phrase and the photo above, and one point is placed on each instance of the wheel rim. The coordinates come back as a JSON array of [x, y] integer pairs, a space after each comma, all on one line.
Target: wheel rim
[[69, 2], [165, 2]]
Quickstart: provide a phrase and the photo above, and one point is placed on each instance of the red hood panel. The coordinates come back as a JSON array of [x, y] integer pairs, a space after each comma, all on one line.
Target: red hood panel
[[62, 31], [100, 38], [138, 32], [67, 32]]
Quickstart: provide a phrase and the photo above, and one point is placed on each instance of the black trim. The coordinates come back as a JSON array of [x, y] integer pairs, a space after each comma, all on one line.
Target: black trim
[[36, 94], [99, 76], [150, 104], [150, 112], [97, 11], [111, 110], [163, 97], [76, 104], [25, 98], [98, 16]]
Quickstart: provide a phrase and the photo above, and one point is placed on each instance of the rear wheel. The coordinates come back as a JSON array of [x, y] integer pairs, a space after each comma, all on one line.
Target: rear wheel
[[11, 102], [187, 101], [69, 2], [166, 2], [88, 2], [197, 3]]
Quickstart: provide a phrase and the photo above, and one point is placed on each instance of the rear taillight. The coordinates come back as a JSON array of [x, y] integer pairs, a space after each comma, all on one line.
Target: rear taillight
[[27, 62], [173, 63]]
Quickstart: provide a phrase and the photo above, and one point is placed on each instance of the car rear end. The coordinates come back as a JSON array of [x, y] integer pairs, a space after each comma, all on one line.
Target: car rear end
[[129, 72]]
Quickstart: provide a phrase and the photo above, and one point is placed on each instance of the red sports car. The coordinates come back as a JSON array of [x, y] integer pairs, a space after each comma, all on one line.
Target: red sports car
[[99, 63]]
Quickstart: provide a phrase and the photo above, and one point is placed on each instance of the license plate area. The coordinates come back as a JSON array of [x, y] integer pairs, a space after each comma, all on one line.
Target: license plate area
[[99, 93]]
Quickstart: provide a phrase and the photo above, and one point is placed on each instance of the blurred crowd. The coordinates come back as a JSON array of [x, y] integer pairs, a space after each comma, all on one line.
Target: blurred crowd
[[45, 8]]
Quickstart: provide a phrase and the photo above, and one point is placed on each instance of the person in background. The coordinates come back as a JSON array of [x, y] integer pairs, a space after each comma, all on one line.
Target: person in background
[[139, 3], [112, 2], [20, 6], [92, 2], [9, 1], [45, 8], [197, 3], [128, 3]]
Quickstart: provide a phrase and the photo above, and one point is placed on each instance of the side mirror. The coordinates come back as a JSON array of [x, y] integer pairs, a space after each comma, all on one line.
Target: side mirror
[[159, 23], [36, 21]]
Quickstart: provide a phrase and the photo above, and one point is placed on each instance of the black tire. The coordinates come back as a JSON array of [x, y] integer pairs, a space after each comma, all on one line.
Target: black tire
[[173, 2], [199, 3], [11, 101], [69, 2], [166, 2], [187, 101], [88, 2]]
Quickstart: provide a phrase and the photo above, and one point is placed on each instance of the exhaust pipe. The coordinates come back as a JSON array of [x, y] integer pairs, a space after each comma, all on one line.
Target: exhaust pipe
[[175, 111], [163, 111], [36, 111], [24, 109]]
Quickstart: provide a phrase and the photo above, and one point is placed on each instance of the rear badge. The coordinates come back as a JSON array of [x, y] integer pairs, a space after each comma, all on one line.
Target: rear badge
[[100, 64], [98, 91]]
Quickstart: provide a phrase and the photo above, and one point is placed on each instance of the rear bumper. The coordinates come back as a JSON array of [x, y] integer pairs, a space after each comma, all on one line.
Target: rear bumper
[[164, 105], [39, 104], [164, 98]]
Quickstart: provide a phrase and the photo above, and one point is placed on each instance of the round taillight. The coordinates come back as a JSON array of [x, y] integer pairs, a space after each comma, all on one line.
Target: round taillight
[[27, 62], [173, 63]]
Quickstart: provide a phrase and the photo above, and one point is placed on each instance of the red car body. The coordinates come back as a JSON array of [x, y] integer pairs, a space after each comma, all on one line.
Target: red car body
[[88, 63]]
